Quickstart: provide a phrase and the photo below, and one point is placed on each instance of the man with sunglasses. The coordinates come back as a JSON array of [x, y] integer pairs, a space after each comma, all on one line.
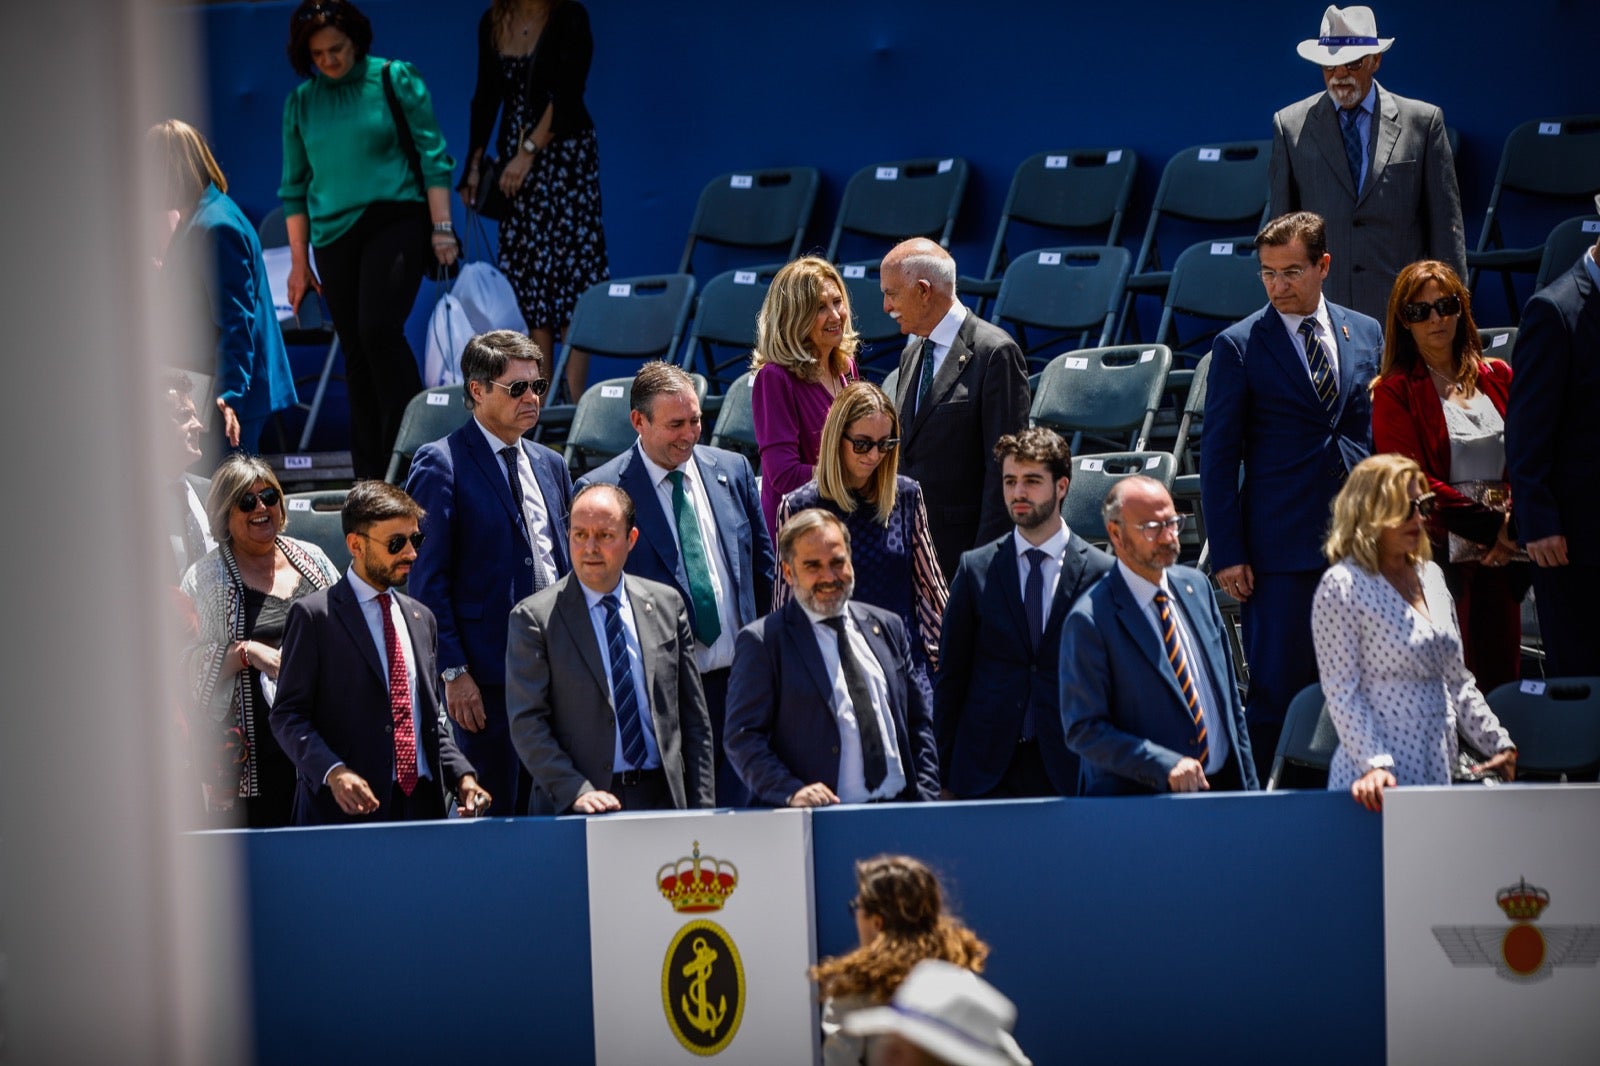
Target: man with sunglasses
[[996, 705], [1149, 698], [356, 710], [1376, 166], [700, 531], [496, 507]]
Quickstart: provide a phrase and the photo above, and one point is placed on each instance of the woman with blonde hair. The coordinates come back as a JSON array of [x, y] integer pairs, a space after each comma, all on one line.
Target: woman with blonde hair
[[1388, 650], [891, 548], [900, 921], [805, 356]]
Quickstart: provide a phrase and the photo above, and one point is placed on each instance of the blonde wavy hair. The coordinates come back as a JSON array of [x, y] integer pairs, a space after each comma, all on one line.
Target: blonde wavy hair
[[784, 324], [905, 895], [187, 165], [854, 403], [1375, 497]]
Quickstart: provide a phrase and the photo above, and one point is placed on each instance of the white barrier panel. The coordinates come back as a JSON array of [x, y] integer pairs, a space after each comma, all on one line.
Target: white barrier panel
[[702, 928], [1492, 924]]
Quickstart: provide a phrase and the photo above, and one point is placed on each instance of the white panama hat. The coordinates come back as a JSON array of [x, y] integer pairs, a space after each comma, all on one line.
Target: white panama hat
[[950, 1012], [1348, 34]]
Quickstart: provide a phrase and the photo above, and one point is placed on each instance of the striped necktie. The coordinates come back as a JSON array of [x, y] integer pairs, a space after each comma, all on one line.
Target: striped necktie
[[1323, 378], [1180, 670], [623, 698]]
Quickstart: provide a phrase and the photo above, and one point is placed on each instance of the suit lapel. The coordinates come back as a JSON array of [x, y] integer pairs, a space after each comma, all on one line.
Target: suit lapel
[[421, 654], [910, 371], [1323, 123], [955, 361], [491, 469], [655, 525], [342, 601], [1070, 584], [572, 611], [1277, 344], [798, 630], [724, 510], [649, 623], [1197, 613], [872, 631], [1340, 318], [1385, 134], [1137, 625], [1004, 573], [552, 495]]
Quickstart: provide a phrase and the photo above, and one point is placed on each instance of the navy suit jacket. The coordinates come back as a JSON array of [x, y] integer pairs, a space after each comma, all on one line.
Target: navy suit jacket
[[1263, 418], [333, 703], [781, 731], [1121, 707], [989, 674], [476, 565], [736, 505], [1552, 434]]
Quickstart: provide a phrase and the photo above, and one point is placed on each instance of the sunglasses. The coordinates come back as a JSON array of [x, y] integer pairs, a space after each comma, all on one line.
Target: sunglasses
[[1423, 505], [1353, 66], [1419, 311], [270, 497], [863, 445], [397, 543], [518, 388]]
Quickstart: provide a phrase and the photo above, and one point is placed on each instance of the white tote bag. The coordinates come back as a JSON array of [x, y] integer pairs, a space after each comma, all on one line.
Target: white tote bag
[[449, 330], [488, 299]]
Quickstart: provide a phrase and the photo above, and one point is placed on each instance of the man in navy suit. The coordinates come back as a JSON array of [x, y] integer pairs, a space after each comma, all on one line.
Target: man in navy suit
[[496, 524], [823, 704], [355, 708], [1149, 700], [996, 706], [1286, 419], [1552, 437], [681, 489]]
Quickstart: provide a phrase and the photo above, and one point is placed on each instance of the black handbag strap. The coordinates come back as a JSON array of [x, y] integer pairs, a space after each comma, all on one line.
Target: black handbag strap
[[408, 144]]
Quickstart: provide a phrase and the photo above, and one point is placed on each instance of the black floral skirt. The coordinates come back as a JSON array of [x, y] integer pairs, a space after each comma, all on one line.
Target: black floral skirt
[[553, 245]]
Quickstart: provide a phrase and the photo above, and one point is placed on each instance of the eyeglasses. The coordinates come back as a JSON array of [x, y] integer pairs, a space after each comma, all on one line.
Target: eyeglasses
[[1423, 505], [863, 445], [1152, 530], [517, 388], [1353, 66], [1421, 309], [270, 497], [1292, 275], [397, 543]]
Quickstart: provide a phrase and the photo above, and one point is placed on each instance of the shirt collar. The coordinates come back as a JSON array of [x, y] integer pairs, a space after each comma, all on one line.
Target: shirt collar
[[1591, 266], [362, 589], [593, 598], [496, 445], [818, 619], [944, 334], [1320, 314], [1368, 104], [1143, 591], [658, 473], [1055, 547]]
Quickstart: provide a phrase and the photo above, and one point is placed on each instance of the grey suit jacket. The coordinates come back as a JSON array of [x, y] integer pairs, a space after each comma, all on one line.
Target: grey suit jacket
[[1409, 207], [558, 695]]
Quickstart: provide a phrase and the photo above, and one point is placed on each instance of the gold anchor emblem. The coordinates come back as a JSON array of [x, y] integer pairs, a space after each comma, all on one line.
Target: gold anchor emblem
[[703, 1016], [702, 987]]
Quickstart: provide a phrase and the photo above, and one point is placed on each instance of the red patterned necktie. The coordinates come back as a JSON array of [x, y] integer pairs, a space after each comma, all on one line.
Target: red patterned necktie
[[405, 737], [1180, 669]]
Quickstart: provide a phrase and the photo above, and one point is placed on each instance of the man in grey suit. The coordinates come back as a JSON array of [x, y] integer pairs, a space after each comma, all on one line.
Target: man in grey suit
[[963, 385], [1377, 167], [620, 723]]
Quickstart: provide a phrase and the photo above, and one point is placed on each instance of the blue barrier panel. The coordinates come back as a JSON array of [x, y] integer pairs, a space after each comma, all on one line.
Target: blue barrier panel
[[1219, 928], [421, 943]]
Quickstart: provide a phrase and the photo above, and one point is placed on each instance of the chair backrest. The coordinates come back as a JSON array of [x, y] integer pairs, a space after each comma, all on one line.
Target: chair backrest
[[1552, 159], [736, 425], [1569, 240], [601, 428], [756, 209], [901, 199], [310, 325], [1104, 392], [1192, 421], [1081, 192], [316, 517], [1498, 342], [724, 330], [430, 414], [1215, 184], [1092, 478], [1216, 281], [881, 339], [633, 319], [1306, 745], [1556, 726], [1070, 294]]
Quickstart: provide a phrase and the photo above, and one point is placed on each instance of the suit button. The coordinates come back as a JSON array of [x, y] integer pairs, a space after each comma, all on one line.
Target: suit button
[[527, 562], [388, 729], [836, 749]]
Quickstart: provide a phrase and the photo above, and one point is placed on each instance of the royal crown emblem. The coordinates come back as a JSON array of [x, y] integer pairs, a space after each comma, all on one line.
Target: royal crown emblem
[[697, 883], [1522, 951], [1522, 902]]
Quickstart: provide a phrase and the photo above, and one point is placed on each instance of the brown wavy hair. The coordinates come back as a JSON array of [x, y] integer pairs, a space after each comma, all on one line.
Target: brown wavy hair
[[905, 895]]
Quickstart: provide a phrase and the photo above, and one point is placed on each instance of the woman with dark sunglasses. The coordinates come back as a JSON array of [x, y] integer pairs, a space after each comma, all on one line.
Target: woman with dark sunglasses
[[241, 592], [1439, 401], [891, 549]]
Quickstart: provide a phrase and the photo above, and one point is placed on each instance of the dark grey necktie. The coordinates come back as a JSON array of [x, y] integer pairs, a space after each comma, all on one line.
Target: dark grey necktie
[[874, 763], [509, 454]]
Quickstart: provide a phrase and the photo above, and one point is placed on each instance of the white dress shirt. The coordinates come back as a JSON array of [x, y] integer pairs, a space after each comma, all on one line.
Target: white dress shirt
[[852, 786], [367, 597], [597, 618], [1054, 549], [1330, 346], [535, 515], [945, 333], [719, 655]]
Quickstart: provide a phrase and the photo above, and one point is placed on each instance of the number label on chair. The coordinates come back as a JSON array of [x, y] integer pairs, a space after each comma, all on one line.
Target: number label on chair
[[438, 399], [887, 173], [1114, 156], [1210, 155], [1549, 129], [620, 289], [1093, 464], [1055, 162], [741, 181], [1533, 688], [1500, 340], [297, 462], [945, 165], [611, 392], [1152, 462], [1591, 227], [744, 277], [1147, 355], [857, 271], [1221, 248], [299, 505], [1075, 362], [1049, 258]]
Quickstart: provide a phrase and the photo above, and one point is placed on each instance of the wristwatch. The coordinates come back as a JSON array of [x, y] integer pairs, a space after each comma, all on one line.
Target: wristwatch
[[452, 673], [528, 145]]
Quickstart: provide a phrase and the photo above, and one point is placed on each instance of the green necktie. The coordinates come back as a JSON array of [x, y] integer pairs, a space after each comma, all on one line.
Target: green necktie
[[703, 598]]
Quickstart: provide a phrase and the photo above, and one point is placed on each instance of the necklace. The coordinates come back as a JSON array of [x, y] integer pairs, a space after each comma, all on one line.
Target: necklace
[[1450, 384]]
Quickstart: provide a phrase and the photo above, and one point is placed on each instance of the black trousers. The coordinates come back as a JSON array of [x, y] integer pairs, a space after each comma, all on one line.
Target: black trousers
[[370, 276], [425, 804]]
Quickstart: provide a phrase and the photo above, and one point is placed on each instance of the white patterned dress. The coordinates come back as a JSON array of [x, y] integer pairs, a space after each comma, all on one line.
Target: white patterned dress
[[1396, 687]]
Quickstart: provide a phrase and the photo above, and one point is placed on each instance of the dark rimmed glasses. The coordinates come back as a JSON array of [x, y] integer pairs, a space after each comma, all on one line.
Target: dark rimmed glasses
[[268, 496], [1423, 506], [518, 389], [863, 445], [1419, 311], [397, 543]]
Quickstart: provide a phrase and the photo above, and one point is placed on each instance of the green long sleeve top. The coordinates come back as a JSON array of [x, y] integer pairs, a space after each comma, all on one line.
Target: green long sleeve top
[[341, 150]]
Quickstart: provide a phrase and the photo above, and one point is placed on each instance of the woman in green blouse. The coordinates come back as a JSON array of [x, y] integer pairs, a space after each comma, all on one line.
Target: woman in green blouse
[[355, 195]]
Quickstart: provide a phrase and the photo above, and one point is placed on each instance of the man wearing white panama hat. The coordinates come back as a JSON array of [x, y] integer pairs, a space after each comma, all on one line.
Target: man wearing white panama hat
[[1376, 166]]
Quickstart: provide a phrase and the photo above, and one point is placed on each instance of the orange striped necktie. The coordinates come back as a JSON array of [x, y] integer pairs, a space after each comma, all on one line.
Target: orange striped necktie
[[1180, 670]]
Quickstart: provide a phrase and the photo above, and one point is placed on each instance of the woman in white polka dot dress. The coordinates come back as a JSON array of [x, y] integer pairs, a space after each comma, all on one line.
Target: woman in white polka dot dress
[[1388, 648]]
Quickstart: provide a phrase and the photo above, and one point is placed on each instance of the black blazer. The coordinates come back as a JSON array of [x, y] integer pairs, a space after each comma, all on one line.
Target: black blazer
[[560, 74]]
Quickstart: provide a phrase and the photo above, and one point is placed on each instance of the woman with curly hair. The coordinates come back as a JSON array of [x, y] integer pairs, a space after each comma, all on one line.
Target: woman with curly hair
[[901, 921]]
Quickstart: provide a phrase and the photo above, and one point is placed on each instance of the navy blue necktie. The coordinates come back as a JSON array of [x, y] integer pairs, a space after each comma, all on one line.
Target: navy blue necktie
[[1352, 143], [509, 454], [1033, 605], [1323, 378], [925, 377], [623, 698]]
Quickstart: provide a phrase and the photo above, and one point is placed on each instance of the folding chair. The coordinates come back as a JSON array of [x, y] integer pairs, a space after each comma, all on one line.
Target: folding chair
[[735, 429], [1192, 421], [1306, 745], [724, 330], [1217, 281], [1069, 294], [601, 428], [310, 325], [1498, 342], [1081, 193], [316, 517], [1092, 478], [881, 339], [1214, 187], [1545, 161], [897, 200], [1568, 241], [754, 209], [1110, 394], [430, 415], [1556, 726]]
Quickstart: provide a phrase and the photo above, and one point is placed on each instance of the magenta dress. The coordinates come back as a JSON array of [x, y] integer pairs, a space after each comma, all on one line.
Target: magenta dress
[[788, 414]]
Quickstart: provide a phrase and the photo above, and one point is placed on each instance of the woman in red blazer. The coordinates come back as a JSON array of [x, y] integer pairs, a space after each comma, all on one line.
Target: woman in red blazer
[[1437, 400]]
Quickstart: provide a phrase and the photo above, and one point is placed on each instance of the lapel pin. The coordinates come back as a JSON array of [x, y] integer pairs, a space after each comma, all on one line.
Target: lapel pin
[[1346, 331], [722, 479], [875, 629], [648, 606], [1188, 588]]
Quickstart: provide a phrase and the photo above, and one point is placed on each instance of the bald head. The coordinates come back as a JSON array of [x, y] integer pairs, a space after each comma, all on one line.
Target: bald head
[[918, 279]]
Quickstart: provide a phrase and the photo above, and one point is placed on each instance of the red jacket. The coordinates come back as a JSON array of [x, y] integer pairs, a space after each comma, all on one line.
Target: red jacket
[[1407, 418]]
